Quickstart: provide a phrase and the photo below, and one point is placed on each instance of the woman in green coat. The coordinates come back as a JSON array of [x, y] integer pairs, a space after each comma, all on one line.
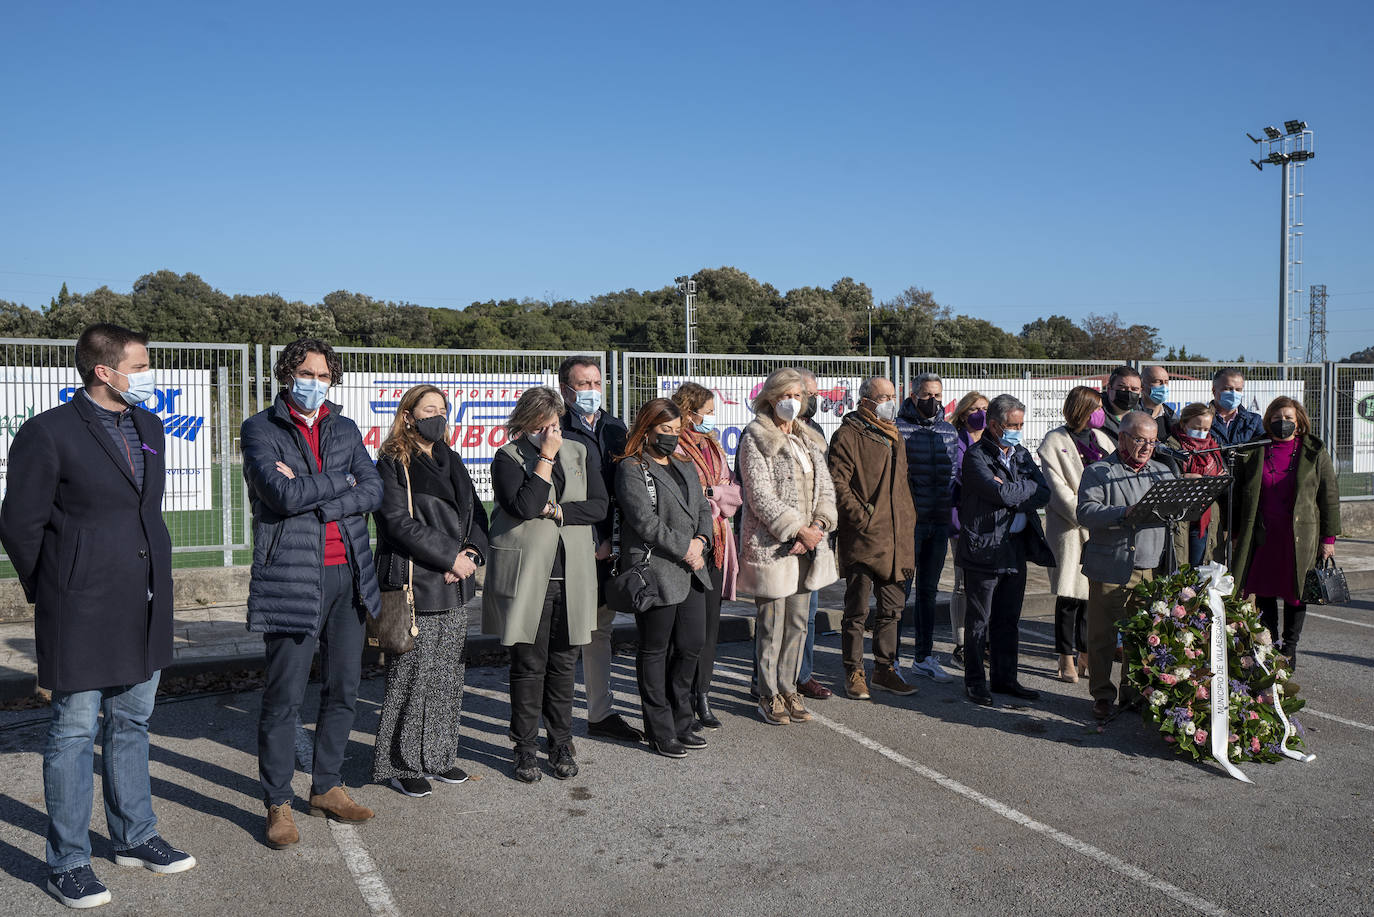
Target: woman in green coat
[[1287, 516]]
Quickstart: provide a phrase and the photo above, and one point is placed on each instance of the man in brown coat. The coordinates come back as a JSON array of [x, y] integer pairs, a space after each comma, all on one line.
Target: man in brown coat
[[868, 465]]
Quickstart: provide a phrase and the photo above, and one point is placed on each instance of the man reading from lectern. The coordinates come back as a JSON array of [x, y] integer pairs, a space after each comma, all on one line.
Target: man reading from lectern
[[1121, 552]]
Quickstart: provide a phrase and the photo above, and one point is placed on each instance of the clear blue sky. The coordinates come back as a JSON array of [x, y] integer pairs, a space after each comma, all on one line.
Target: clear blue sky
[[1016, 159]]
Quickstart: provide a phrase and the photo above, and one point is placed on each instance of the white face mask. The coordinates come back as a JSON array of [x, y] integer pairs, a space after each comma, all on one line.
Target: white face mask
[[887, 410], [536, 438], [787, 409]]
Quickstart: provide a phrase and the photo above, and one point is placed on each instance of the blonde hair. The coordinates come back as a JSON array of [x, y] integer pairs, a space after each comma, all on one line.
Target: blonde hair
[[778, 381], [534, 406], [965, 408]]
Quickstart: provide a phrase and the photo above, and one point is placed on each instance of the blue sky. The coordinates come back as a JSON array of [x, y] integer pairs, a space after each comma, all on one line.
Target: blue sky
[[1015, 159]]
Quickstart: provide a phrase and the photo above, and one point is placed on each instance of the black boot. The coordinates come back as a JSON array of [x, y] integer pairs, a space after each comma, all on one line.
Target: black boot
[[701, 703]]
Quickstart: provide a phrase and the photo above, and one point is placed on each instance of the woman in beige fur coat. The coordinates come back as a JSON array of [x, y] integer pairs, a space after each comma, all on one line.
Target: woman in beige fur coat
[[789, 512], [1064, 453]]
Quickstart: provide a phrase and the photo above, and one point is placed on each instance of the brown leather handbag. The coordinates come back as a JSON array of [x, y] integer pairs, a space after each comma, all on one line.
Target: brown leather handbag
[[394, 630]]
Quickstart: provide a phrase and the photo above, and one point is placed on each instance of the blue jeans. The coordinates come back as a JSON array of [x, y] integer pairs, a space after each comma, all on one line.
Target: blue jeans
[[809, 648], [68, 782], [932, 544], [1197, 546]]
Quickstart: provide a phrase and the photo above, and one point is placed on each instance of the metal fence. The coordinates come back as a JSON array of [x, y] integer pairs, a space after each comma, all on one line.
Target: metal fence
[[1351, 428], [1040, 384], [482, 387], [736, 378], [201, 397]]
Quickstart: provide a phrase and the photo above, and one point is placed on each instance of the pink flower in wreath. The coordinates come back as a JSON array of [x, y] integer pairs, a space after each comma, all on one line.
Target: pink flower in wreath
[[1252, 715], [1261, 698], [1200, 736], [1254, 744], [1147, 692], [1180, 611], [1170, 739], [1233, 737], [1153, 640], [1186, 593], [1168, 678], [1247, 662], [1201, 692]]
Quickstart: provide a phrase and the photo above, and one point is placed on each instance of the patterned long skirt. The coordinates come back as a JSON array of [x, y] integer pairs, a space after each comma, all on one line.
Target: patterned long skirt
[[418, 733]]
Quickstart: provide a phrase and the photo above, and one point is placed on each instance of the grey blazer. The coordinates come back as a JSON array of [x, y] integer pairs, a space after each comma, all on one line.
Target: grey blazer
[[1108, 489], [668, 531]]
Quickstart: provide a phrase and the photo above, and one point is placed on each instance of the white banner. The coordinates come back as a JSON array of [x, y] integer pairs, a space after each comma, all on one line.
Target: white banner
[[1219, 584], [181, 401], [1362, 429], [1044, 398], [479, 404], [734, 395]]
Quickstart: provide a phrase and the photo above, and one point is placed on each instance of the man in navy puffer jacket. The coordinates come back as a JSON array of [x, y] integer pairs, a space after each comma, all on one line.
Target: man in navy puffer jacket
[[311, 485], [931, 443]]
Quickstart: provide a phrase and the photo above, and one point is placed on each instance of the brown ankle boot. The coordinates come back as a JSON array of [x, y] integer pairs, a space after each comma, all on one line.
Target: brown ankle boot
[[281, 827], [337, 805]]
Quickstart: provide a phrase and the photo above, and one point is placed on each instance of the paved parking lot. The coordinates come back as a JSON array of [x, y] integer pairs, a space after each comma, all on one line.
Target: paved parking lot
[[919, 805]]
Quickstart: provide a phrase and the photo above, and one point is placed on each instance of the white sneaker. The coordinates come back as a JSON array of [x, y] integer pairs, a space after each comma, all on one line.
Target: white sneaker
[[930, 668]]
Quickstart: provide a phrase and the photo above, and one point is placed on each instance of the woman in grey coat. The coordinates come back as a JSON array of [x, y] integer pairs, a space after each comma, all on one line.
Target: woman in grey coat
[[666, 517]]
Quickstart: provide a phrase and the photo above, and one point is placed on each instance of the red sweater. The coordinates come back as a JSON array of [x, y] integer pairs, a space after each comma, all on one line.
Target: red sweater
[[334, 551]]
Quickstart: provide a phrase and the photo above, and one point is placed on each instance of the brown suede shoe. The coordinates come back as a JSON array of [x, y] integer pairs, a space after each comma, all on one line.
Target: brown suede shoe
[[855, 685], [885, 678], [281, 827], [337, 804], [796, 710]]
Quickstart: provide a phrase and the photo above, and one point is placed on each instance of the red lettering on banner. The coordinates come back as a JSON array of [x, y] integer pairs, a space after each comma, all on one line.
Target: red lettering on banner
[[473, 436], [498, 437], [373, 437], [397, 393], [453, 437]]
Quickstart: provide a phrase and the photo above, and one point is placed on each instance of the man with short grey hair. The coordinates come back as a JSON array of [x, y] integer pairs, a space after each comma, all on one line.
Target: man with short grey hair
[[999, 534], [1122, 551], [1154, 398]]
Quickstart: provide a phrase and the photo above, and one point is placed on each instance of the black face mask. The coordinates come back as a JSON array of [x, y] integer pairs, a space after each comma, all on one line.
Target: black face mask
[[664, 443], [809, 409], [432, 428], [929, 407], [1126, 400], [1281, 429]]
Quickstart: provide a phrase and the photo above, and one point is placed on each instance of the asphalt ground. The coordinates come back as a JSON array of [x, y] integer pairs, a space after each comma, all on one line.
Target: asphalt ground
[[917, 805]]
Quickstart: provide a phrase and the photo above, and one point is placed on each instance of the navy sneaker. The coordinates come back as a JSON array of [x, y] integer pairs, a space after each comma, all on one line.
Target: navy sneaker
[[78, 887], [157, 855]]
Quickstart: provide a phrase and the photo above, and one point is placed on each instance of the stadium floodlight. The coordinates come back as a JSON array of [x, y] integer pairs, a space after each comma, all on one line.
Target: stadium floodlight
[[1295, 127], [1276, 158], [1303, 155], [1272, 133]]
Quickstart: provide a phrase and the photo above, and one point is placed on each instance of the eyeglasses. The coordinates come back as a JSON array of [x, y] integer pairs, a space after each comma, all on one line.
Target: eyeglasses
[[1143, 442]]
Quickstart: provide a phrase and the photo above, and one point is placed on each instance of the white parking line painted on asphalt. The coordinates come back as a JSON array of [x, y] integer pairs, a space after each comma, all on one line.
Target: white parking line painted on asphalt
[[1313, 614], [366, 875], [1308, 711], [1116, 864]]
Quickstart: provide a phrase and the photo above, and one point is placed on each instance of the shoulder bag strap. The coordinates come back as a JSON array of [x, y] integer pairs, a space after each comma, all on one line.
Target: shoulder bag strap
[[653, 499], [410, 561]]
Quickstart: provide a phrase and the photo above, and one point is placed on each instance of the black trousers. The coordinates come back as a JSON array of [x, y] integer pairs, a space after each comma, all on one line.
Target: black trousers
[[992, 614], [288, 670], [1294, 617], [706, 662], [670, 639], [541, 677], [1070, 625]]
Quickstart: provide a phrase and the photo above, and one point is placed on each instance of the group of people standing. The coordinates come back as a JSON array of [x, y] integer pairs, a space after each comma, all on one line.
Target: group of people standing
[[580, 498]]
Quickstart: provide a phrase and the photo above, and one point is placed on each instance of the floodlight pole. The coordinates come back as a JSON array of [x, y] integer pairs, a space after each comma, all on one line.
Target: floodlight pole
[[1284, 312], [1290, 150], [688, 288]]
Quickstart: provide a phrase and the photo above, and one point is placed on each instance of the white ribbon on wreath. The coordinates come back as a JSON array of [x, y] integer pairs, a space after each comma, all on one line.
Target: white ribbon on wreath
[[1219, 585]]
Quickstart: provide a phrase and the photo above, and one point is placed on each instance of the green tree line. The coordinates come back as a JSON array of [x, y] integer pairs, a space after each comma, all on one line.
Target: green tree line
[[735, 314]]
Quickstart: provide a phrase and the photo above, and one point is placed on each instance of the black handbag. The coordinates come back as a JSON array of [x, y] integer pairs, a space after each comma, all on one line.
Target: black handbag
[[632, 590], [394, 630], [1326, 585]]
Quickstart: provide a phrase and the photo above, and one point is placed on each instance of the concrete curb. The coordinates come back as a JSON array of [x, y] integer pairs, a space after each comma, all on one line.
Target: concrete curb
[[485, 650]]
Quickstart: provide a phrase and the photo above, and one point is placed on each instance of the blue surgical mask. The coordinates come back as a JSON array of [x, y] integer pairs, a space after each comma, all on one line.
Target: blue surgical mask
[[1229, 400], [1011, 438], [587, 401], [1198, 434], [308, 393], [708, 423], [1159, 393], [142, 386]]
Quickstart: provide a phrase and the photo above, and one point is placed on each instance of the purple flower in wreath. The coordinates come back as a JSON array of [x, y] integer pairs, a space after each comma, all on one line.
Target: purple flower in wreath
[[1302, 733], [1180, 716], [1161, 658], [1240, 688]]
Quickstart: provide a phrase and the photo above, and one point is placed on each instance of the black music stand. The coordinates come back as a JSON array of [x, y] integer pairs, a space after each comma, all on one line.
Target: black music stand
[[1173, 501]]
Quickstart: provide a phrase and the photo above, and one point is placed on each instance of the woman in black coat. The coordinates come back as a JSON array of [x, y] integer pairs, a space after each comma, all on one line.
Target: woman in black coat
[[669, 521], [440, 527]]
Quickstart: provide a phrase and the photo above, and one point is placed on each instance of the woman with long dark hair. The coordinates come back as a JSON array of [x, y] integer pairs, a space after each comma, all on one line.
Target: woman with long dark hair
[[700, 444], [432, 531], [1287, 514], [666, 519]]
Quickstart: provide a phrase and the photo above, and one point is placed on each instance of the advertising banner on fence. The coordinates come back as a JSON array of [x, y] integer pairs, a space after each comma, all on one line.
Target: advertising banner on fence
[[734, 395], [1044, 398], [1362, 429], [479, 404], [181, 401]]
